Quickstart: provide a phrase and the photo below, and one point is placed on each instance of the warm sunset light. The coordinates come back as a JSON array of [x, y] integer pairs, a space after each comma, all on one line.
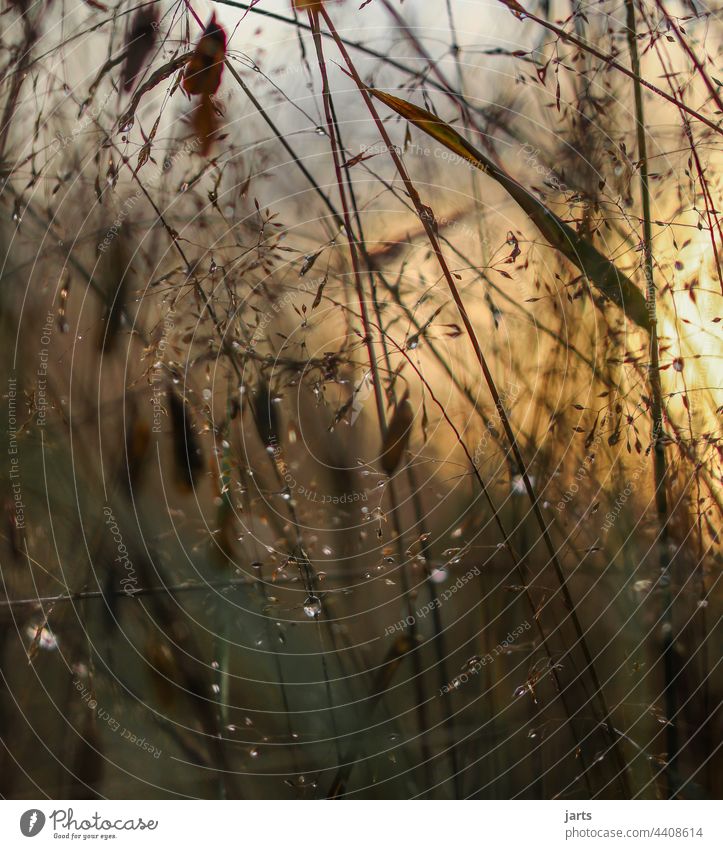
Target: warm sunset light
[[362, 368]]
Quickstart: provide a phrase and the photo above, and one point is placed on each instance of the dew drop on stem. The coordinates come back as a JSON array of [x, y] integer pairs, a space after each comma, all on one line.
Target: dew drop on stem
[[312, 607]]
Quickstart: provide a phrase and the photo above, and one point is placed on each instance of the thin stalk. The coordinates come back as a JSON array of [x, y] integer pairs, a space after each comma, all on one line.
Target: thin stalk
[[522, 13], [332, 132], [468, 121], [206, 300], [519, 564], [711, 211], [339, 223], [336, 156], [325, 199], [659, 462], [427, 217], [439, 641], [21, 64], [712, 91], [385, 58], [595, 266], [223, 679]]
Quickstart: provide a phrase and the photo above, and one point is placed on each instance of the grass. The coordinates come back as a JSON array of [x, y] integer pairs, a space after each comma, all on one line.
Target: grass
[[221, 348]]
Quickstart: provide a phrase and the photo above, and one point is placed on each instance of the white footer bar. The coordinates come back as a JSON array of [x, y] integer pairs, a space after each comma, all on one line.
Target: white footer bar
[[361, 824]]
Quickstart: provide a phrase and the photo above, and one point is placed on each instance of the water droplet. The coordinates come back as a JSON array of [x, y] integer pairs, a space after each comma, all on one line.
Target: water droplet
[[439, 575], [473, 664], [312, 607], [642, 588], [47, 639], [518, 484]]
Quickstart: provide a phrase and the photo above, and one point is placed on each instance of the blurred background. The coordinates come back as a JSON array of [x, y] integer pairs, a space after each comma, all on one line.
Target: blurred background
[[272, 528]]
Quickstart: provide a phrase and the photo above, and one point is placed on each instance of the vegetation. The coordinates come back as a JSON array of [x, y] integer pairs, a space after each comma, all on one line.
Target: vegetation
[[362, 367]]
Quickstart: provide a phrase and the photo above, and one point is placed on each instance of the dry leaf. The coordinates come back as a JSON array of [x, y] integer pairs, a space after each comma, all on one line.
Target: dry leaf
[[202, 74]]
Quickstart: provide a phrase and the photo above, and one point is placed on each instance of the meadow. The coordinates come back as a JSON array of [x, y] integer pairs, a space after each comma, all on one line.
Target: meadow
[[361, 369]]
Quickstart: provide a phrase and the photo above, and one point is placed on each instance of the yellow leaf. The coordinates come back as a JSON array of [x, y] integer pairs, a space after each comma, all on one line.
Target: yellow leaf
[[608, 278], [432, 125]]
